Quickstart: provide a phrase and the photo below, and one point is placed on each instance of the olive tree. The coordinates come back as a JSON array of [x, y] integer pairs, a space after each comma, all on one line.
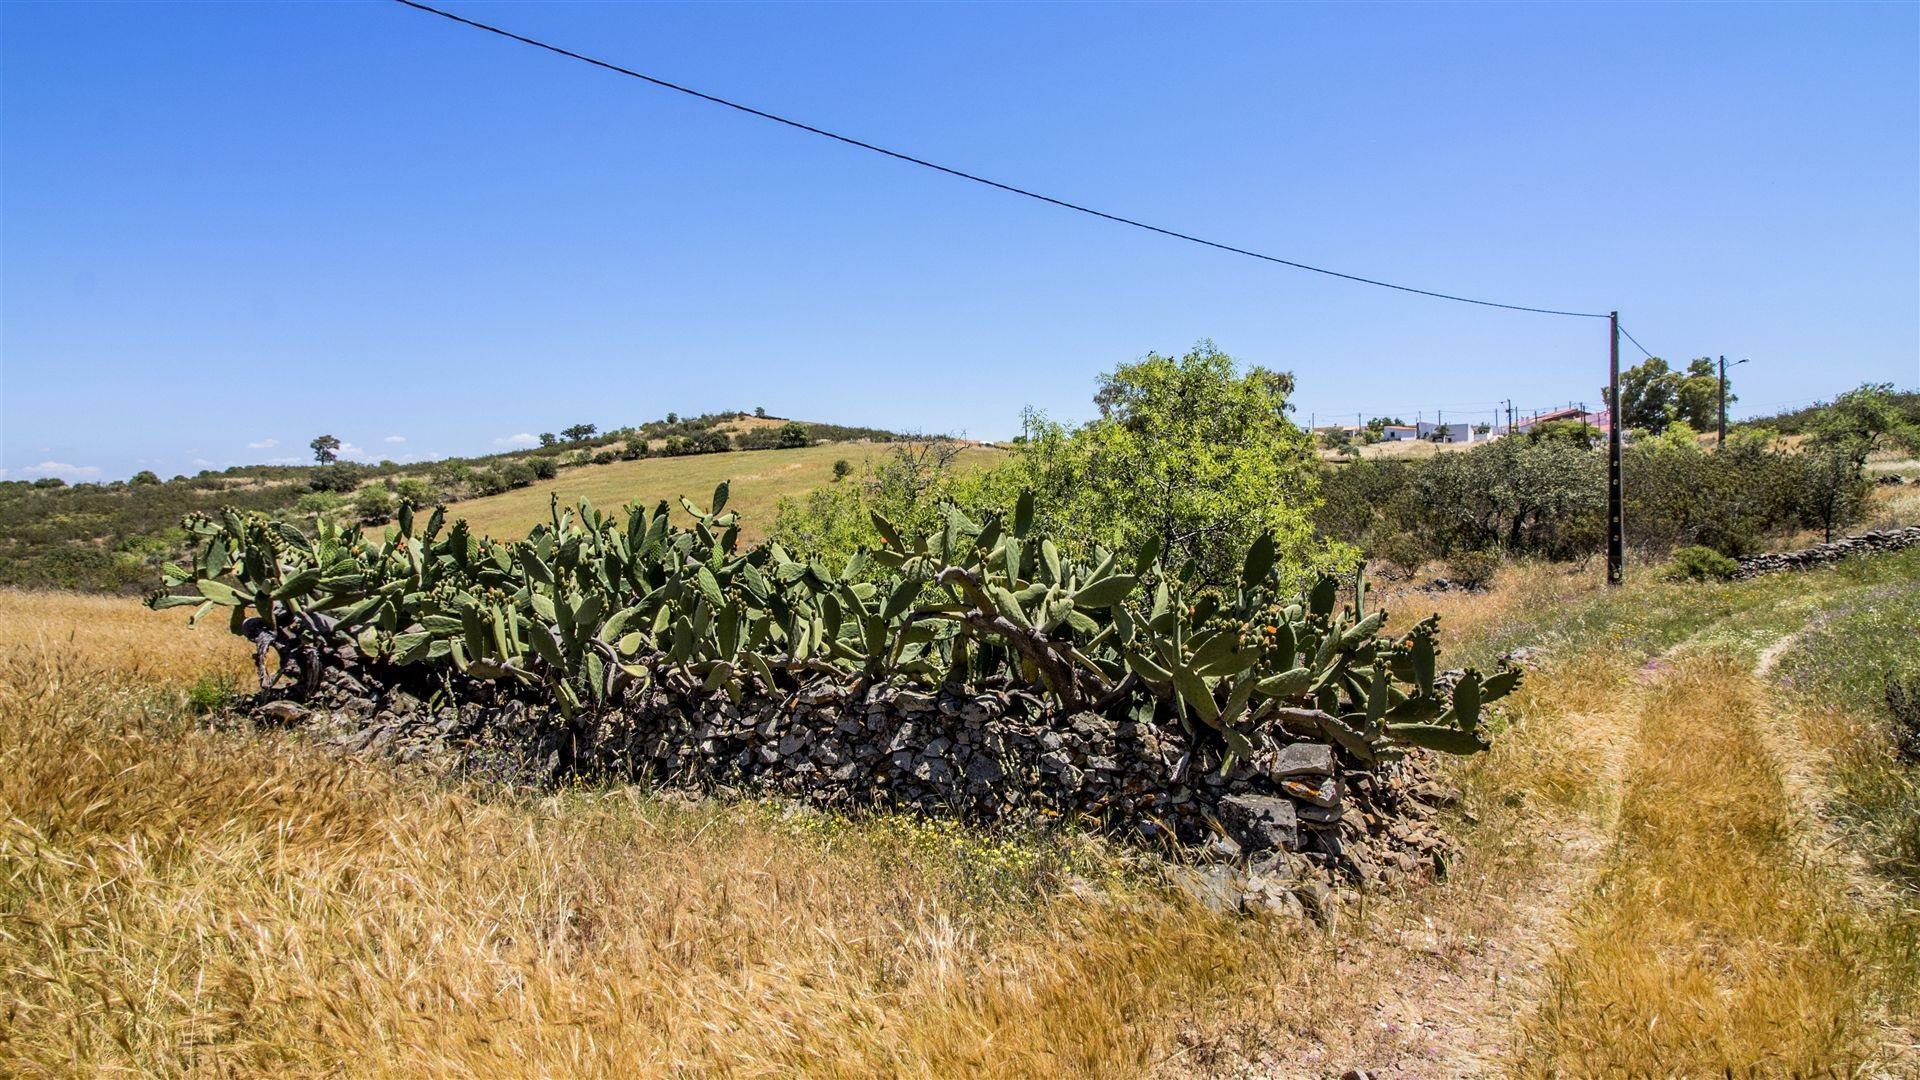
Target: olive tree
[[1193, 452]]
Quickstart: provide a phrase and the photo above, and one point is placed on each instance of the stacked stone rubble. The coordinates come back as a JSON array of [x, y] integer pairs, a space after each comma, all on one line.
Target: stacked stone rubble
[[1296, 810], [1866, 543]]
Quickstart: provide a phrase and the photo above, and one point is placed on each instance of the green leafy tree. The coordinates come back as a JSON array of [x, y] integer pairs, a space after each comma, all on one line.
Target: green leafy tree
[[908, 486], [1190, 451], [793, 435], [1696, 397], [144, 477], [326, 449], [1577, 433], [548, 438], [842, 469], [577, 432], [1863, 420], [1648, 393], [1543, 498], [1833, 489]]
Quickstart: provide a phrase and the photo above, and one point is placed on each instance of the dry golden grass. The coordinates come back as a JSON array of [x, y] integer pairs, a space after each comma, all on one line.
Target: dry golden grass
[[119, 633], [1713, 942], [175, 898], [179, 899]]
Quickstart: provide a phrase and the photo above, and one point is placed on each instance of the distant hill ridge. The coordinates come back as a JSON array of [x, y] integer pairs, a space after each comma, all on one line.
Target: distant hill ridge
[[113, 536]]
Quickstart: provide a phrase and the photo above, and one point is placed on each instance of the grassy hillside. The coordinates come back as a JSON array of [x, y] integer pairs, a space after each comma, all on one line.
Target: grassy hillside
[[759, 479], [114, 536]]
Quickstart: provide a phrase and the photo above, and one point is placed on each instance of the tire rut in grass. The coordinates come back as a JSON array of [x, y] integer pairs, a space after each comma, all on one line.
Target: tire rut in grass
[[1712, 940]]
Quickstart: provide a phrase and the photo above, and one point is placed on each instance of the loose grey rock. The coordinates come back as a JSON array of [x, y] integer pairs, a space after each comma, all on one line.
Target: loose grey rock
[[1302, 759], [1217, 887], [1261, 822], [1319, 790], [984, 770], [1310, 814], [284, 712]]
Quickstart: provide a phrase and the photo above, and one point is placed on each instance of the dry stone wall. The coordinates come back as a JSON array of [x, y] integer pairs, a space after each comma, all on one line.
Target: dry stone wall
[[1866, 543], [1295, 811]]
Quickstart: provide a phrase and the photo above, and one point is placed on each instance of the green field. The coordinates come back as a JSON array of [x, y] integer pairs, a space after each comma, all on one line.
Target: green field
[[759, 478]]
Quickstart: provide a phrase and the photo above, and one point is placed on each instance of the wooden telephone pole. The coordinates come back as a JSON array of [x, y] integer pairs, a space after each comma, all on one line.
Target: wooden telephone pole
[[1616, 531]]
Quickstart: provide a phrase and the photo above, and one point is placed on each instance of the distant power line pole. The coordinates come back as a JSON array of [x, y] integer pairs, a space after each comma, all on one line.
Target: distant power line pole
[[1723, 398], [1616, 530]]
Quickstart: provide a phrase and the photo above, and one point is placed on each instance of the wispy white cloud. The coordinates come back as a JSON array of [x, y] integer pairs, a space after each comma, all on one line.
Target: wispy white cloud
[[522, 439], [263, 444], [61, 469], [395, 439]]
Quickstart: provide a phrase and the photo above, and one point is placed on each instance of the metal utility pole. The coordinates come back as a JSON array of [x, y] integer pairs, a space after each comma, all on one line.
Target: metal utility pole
[[1722, 439], [1723, 398], [1616, 531]]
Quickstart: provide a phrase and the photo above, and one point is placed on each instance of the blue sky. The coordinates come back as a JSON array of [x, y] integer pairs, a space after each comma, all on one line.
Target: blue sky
[[225, 228]]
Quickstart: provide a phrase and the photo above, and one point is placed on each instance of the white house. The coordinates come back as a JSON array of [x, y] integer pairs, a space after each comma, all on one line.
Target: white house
[[1453, 433]]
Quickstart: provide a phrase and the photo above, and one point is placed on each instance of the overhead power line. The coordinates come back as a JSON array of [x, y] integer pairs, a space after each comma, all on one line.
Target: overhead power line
[[962, 174], [1636, 344]]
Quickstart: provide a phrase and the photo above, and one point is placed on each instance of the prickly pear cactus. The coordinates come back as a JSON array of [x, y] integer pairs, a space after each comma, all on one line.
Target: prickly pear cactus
[[591, 607]]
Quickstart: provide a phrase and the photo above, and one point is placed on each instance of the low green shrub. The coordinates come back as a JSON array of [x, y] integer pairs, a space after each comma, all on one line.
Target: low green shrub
[[487, 482], [210, 693], [341, 476], [373, 505], [1473, 569], [1698, 563], [413, 491]]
